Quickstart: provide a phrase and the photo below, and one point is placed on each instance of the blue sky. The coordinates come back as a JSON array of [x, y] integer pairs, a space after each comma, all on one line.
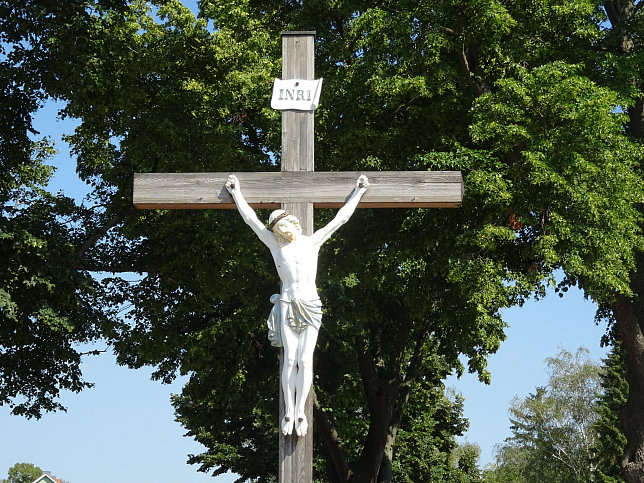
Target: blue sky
[[537, 330], [124, 430]]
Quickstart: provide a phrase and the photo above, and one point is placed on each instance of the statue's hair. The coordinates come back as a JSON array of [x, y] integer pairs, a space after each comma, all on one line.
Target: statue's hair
[[277, 216]]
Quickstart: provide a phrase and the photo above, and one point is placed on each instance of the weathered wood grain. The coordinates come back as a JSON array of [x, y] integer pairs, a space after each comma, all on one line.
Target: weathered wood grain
[[387, 189], [298, 62], [295, 453]]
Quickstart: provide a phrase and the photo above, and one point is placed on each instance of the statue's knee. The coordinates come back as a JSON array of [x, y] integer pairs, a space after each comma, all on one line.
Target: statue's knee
[[305, 363], [290, 359]]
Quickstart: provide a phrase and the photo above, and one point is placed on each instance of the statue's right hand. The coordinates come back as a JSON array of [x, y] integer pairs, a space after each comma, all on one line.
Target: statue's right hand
[[232, 184]]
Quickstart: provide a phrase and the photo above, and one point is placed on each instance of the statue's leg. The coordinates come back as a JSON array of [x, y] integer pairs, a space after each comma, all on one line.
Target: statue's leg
[[308, 339], [289, 371]]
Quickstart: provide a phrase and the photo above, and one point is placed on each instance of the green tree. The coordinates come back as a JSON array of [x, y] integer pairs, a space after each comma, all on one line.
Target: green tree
[[465, 460], [529, 99], [610, 437], [23, 473], [626, 47], [554, 436], [425, 448], [48, 307], [512, 463]]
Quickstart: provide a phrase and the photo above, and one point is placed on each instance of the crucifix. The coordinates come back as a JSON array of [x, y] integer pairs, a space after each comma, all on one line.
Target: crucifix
[[297, 189]]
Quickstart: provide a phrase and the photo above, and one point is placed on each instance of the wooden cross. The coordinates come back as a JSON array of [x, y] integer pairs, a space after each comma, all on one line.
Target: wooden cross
[[299, 189]]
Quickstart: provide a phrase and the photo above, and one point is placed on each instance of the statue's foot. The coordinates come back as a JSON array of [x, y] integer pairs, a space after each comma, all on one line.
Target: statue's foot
[[287, 425], [301, 426]]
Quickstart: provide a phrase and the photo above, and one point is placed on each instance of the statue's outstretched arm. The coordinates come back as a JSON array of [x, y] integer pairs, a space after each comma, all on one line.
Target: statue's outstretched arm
[[344, 213], [247, 213]]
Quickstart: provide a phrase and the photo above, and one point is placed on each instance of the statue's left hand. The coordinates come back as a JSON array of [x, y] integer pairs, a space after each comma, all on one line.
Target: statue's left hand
[[232, 184], [362, 182]]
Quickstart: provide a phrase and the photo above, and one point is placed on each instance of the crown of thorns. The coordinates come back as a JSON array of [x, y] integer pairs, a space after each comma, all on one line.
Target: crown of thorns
[[278, 218]]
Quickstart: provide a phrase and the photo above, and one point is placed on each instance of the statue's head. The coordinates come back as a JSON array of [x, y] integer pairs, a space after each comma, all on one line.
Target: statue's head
[[285, 225]]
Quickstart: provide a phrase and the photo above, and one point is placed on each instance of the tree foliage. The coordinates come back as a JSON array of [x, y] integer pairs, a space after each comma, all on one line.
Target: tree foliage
[[533, 101], [23, 473], [568, 430], [610, 436], [553, 430], [47, 305]]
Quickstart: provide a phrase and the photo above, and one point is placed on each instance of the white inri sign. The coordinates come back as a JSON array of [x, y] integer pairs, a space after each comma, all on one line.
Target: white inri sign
[[297, 94]]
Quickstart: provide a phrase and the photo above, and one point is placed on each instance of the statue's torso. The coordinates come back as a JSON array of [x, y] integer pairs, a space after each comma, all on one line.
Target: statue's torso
[[296, 264]]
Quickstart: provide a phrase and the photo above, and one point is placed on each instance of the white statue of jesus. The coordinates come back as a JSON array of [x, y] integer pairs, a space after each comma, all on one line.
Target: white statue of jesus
[[297, 314]]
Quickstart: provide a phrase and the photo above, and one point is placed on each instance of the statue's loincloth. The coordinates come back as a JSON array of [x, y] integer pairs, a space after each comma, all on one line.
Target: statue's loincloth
[[301, 314]]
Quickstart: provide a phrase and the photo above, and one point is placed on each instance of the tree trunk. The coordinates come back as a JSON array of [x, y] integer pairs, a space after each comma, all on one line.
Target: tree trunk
[[636, 118], [629, 316], [386, 471], [368, 465], [337, 466], [387, 390]]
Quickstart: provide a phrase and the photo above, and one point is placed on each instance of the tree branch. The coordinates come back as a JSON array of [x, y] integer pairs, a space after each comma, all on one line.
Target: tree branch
[[332, 440], [98, 267], [468, 60], [91, 241], [412, 373], [449, 31], [620, 13], [94, 352], [611, 11], [402, 340], [368, 372]]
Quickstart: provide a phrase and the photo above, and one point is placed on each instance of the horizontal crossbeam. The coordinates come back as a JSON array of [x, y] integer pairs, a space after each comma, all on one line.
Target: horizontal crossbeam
[[387, 189]]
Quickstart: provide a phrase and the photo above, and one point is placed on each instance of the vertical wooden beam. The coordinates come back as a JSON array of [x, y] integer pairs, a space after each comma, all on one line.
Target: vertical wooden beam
[[298, 62], [296, 453]]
